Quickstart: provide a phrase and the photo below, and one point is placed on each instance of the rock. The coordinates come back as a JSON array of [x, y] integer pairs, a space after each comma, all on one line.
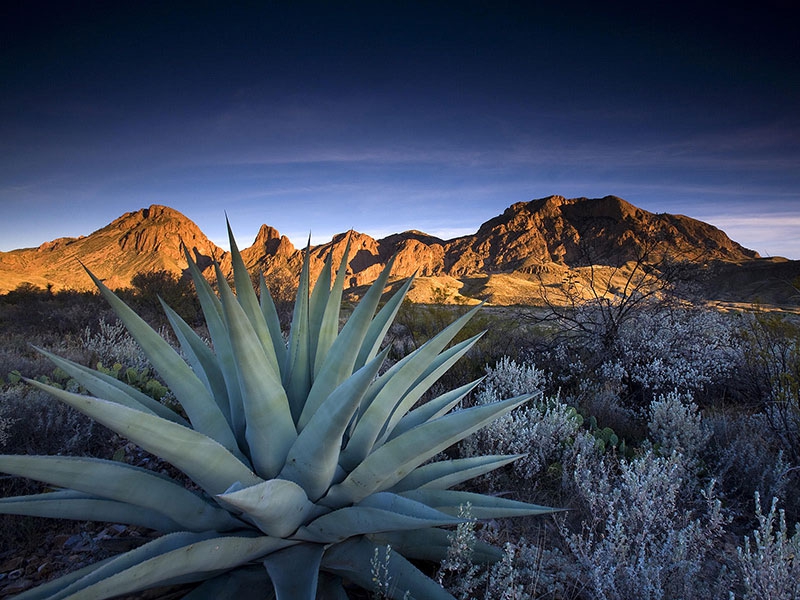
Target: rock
[[12, 564]]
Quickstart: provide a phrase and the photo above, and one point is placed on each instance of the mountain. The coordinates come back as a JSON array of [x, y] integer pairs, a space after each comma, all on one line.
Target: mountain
[[149, 239], [506, 261], [580, 231]]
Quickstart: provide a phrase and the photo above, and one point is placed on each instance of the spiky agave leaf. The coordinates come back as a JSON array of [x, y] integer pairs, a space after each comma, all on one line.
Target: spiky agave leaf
[[308, 460]]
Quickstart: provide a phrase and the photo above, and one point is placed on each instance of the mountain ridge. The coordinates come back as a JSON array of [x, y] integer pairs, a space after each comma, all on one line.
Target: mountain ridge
[[550, 236]]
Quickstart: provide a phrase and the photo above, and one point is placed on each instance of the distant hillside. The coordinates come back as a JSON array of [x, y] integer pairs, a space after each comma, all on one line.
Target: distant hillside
[[506, 261]]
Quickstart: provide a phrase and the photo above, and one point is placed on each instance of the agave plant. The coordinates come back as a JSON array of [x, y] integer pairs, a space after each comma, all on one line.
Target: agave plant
[[306, 458]]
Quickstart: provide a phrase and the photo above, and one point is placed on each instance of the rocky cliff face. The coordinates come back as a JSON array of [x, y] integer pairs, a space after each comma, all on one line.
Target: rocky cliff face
[[546, 236]]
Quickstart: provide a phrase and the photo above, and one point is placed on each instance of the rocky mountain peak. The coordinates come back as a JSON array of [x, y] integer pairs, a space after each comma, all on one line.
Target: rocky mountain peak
[[270, 241]]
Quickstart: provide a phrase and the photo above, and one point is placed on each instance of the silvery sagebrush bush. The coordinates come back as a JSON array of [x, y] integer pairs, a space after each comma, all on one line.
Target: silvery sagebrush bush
[[457, 571], [509, 378], [770, 564], [681, 349], [112, 343], [526, 570], [644, 537], [6, 422], [537, 431], [531, 570], [676, 425], [305, 460]]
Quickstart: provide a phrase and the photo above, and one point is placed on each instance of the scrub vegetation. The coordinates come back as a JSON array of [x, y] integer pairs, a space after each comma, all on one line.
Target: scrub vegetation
[[671, 438]]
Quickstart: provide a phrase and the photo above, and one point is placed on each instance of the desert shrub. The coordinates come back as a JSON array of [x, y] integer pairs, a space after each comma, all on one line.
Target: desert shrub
[[769, 374], [676, 426], [6, 422], [770, 565], [538, 431], [747, 458], [531, 571], [110, 343], [649, 530], [655, 350], [149, 288], [509, 378], [38, 424], [683, 349], [526, 570], [46, 313], [457, 571], [17, 355]]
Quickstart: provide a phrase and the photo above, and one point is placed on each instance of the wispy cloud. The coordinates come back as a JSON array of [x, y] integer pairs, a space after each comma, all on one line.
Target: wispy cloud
[[770, 235]]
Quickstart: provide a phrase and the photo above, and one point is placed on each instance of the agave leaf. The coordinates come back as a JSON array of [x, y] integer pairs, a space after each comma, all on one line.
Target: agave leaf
[[380, 324], [351, 560], [297, 374], [482, 506], [200, 407], [212, 311], [294, 571], [439, 367], [432, 409], [246, 296], [124, 483], [202, 360], [398, 381], [276, 506], [247, 583], [204, 460], [331, 587], [68, 504], [208, 300], [445, 474], [380, 512], [391, 462], [273, 321], [313, 459], [112, 389], [340, 361], [180, 560], [68, 585], [422, 358], [328, 327], [269, 428], [316, 308], [432, 544]]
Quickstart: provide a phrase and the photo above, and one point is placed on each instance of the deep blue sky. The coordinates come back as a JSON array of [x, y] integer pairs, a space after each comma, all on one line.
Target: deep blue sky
[[386, 116]]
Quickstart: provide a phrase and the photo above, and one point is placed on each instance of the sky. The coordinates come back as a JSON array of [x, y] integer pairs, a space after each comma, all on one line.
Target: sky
[[386, 116]]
